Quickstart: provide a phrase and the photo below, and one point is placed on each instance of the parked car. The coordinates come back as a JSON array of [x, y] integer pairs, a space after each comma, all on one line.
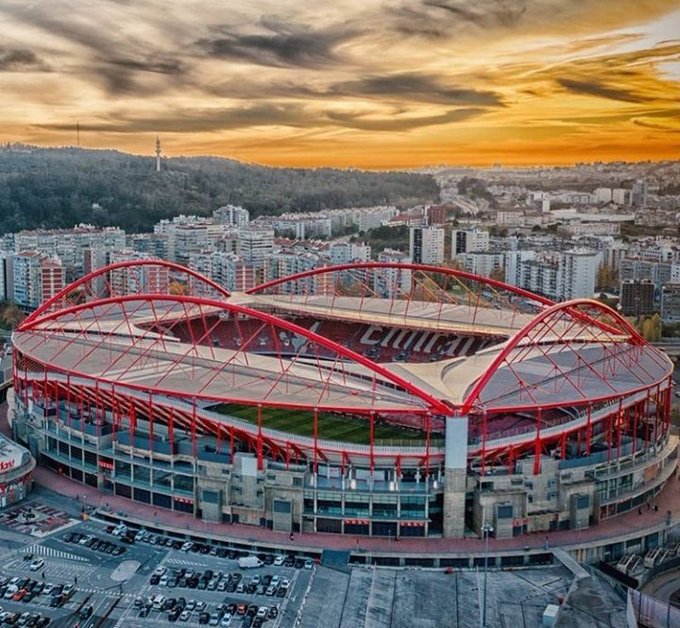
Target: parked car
[[38, 563]]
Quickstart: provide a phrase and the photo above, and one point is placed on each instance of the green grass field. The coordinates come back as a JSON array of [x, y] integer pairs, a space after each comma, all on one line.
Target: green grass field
[[331, 426]]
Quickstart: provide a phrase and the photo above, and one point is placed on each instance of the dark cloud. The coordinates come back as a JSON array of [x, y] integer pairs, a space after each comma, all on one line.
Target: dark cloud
[[283, 46], [363, 123], [20, 60], [601, 90], [264, 114], [444, 18], [119, 62], [202, 120], [416, 87]]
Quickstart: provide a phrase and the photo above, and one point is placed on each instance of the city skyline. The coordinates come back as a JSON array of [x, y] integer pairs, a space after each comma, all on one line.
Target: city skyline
[[370, 85]]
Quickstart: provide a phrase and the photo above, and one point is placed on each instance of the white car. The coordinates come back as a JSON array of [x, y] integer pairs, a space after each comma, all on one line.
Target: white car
[[38, 563], [164, 580], [187, 546], [159, 571], [279, 560], [262, 612], [226, 620]]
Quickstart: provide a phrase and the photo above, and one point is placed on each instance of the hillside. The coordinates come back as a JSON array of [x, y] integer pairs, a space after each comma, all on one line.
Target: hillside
[[60, 187]]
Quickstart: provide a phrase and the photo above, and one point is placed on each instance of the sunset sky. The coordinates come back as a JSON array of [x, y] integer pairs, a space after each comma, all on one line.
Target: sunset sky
[[364, 83]]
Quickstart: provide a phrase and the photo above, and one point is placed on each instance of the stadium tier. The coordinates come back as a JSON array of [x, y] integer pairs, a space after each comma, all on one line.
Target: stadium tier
[[366, 399]]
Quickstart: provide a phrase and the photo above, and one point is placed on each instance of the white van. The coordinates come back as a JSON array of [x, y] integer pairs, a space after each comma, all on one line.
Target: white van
[[249, 562]]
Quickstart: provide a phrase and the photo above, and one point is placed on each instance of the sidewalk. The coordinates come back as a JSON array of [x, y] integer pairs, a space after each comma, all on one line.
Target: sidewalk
[[622, 525]]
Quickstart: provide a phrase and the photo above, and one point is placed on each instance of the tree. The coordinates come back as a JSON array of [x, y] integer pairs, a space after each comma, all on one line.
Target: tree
[[178, 288], [498, 274], [11, 316], [607, 278]]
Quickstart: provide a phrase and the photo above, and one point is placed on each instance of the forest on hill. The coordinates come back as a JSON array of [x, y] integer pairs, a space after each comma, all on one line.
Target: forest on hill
[[60, 187]]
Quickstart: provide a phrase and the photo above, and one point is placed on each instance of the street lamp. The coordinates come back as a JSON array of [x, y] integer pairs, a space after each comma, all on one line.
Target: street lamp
[[487, 529]]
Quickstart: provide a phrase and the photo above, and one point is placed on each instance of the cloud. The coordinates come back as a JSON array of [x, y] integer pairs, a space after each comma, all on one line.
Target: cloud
[[416, 87], [200, 120], [281, 45], [403, 123], [601, 90], [444, 19], [262, 114], [20, 60]]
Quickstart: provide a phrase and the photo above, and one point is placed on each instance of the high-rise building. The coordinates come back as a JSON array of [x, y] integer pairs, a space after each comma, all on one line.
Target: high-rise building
[[137, 279], [254, 244], [345, 252], [232, 215], [603, 195], [670, 303], [621, 196], [26, 279], [579, 271], [468, 240], [639, 193], [426, 245], [389, 282], [51, 277], [637, 297], [559, 276]]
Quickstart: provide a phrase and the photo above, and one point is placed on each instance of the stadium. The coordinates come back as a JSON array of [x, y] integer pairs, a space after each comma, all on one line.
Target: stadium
[[378, 399]]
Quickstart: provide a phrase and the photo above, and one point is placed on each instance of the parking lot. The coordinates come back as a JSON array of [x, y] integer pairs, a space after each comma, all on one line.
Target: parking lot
[[96, 575]]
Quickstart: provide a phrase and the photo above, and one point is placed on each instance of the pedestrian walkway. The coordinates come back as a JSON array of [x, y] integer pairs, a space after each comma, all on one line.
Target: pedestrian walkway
[[623, 525], [41, 550]]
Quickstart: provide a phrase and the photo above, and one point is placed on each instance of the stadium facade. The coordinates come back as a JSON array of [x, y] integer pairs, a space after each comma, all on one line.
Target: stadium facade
[[370, 399]]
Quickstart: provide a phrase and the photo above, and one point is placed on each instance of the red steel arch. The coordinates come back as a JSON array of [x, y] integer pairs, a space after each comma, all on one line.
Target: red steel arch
[[460, 274], [434, 405], [104, 270], [570, 308]]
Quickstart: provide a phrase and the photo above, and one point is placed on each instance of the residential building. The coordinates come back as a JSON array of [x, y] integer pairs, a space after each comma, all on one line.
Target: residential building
[[468, 240], [637, 297], [670, 303], [426, 245], [389, 282], [255, 244]]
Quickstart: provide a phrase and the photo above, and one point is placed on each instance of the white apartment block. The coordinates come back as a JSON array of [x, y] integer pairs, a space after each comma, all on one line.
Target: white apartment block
[[255, 244], [389, 282], [481, 263], [559, 276], [426, 245], [346, 252], [468, 240], [232, 215]]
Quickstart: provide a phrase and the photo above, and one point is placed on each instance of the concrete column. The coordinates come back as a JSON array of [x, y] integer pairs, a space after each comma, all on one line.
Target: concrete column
[[455, 473]]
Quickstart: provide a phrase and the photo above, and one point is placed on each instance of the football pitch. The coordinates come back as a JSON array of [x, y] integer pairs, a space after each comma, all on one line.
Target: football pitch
[[335, 427]]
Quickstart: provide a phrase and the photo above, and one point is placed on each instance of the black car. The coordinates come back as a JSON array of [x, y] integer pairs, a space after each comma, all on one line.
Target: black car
[[144, 612], [67, 538], [55, 602], [204, 618], [86, 611], [155, 579], [273, 612]]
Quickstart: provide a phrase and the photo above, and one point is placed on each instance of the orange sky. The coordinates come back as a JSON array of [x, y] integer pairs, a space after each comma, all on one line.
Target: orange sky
[[363, 83]]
